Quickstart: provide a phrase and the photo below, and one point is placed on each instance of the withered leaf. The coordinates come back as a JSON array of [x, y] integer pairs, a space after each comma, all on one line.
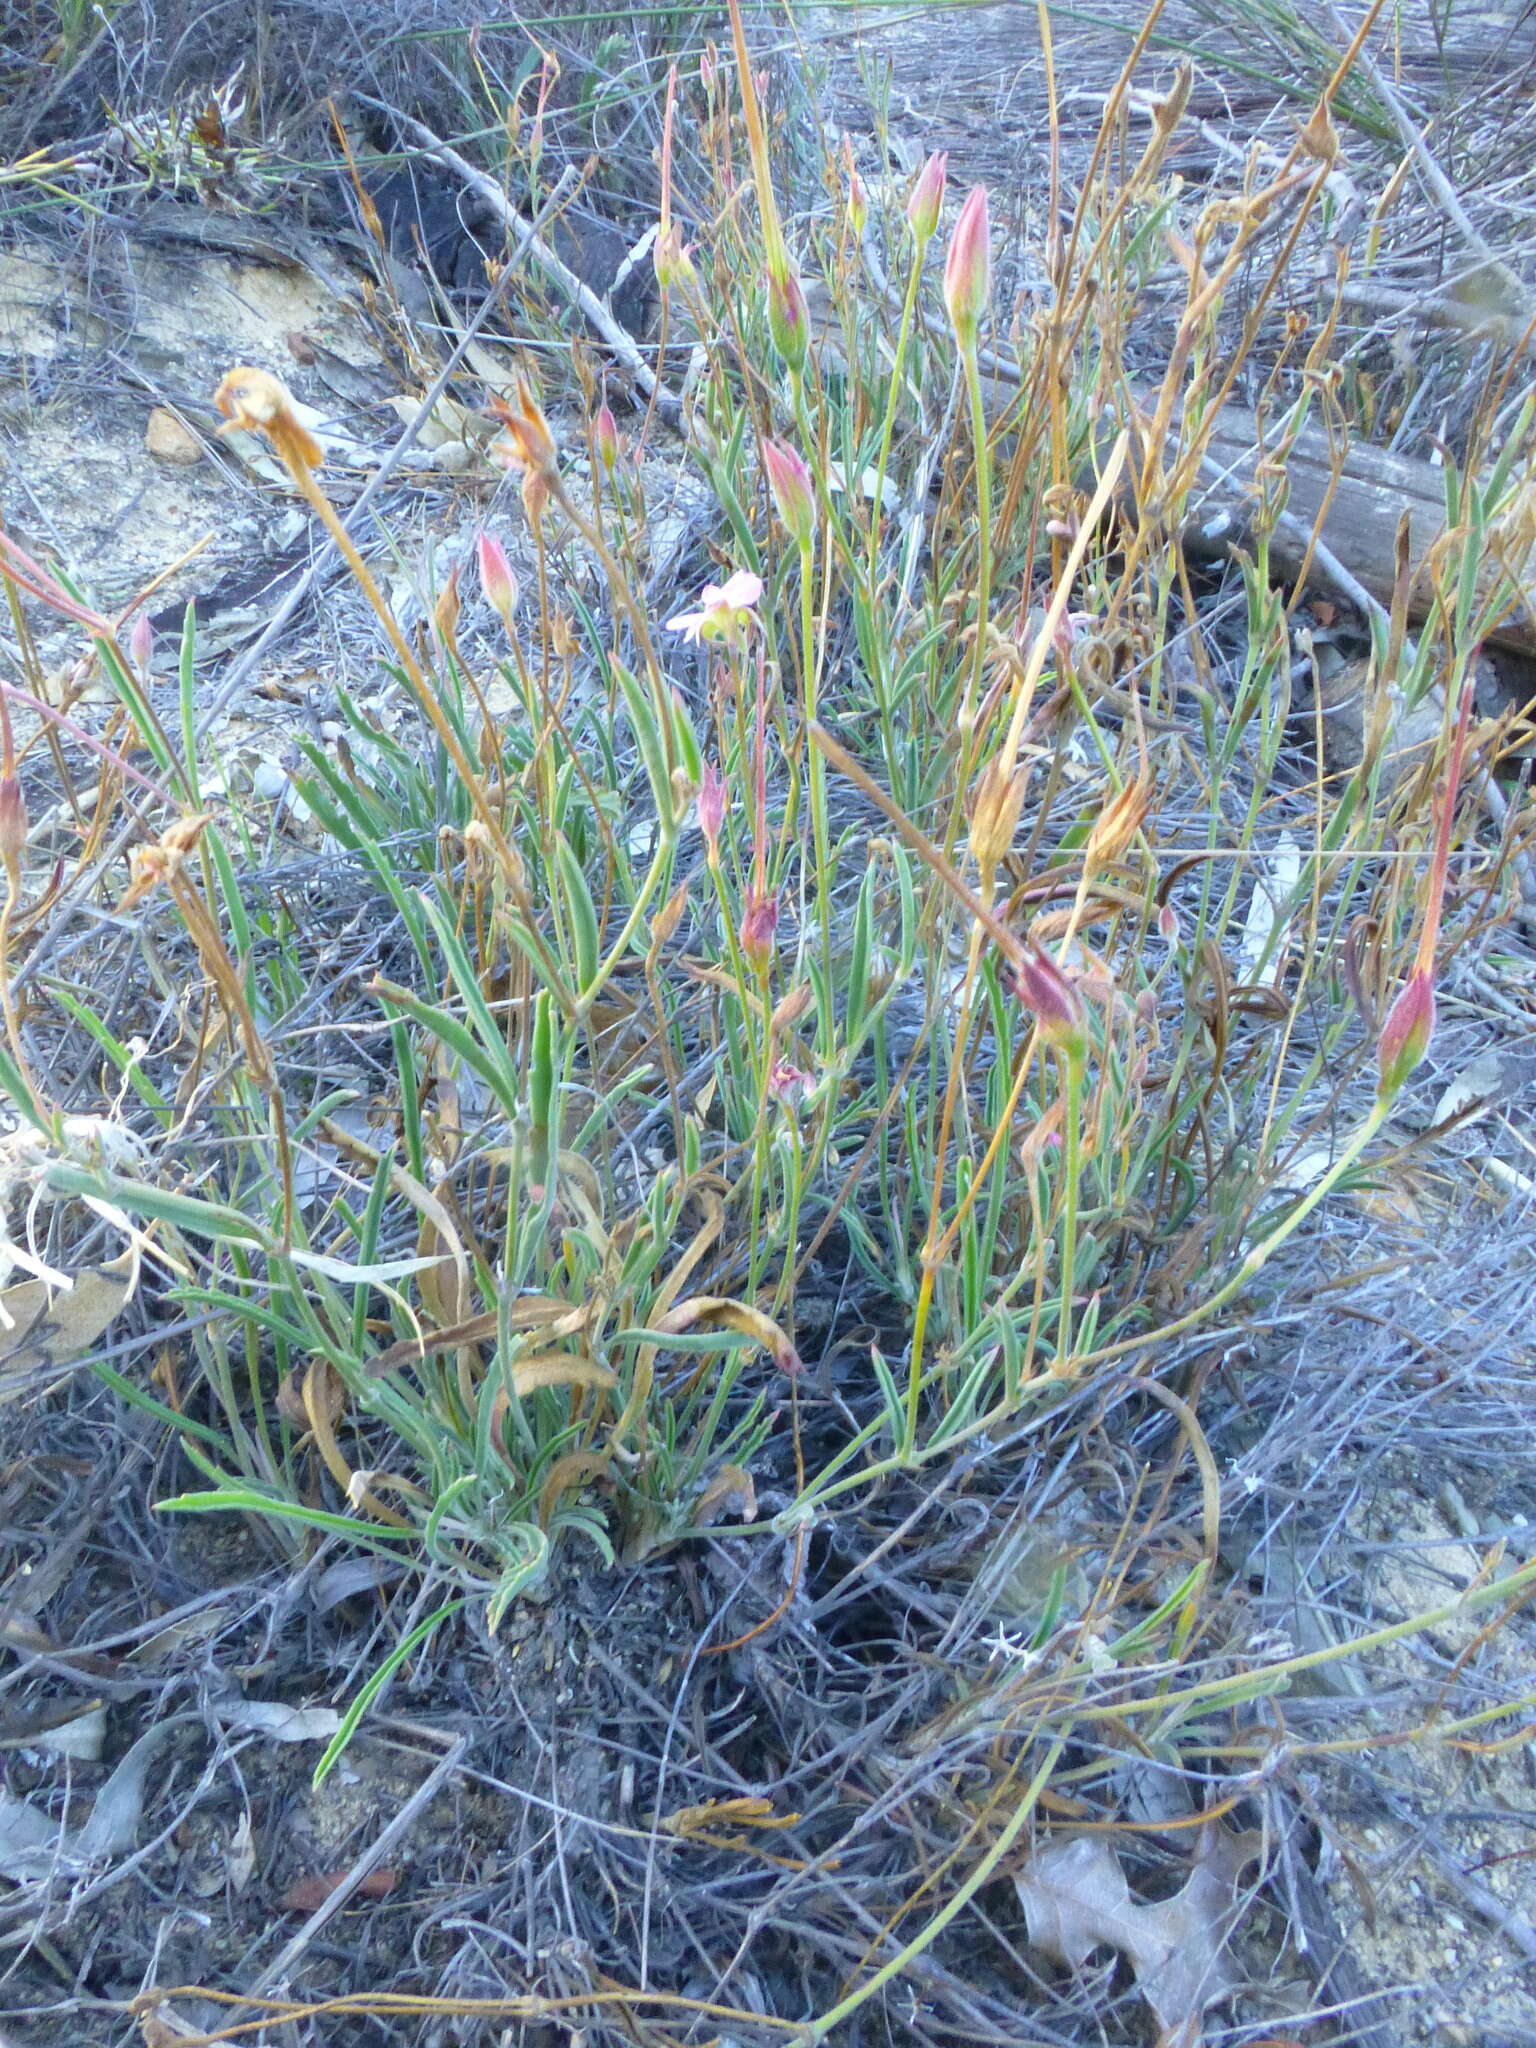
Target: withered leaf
[[52, 1329], [1076, 1899], [309, 1894]]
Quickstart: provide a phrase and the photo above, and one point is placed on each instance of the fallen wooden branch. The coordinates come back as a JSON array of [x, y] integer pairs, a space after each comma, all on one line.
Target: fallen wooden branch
[[579, 294]]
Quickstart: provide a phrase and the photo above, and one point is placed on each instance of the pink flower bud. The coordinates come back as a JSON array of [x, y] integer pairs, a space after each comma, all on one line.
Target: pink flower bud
[[1406, 1034], [605, 437], [926, 199], [968, 269], [141, 643], [1168, 924], [709, 68], [711, 809], [1058, 1008], [496, 578], [789, 317], [759, 928], [794, 495]]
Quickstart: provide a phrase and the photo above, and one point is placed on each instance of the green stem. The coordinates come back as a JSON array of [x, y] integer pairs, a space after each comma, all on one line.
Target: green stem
[[810, 669], [971, 695], [983, 524], [663, 855], [1071, 1148], [888, 425]]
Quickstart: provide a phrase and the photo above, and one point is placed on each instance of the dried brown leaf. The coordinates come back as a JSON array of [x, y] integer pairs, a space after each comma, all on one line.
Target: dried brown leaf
[[53, 1328], [730, 1492], [705, 1823], [1076, 1899]]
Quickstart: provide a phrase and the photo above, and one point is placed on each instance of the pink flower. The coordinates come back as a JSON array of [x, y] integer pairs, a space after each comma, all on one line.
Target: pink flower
[[968, 269], [724, 609], [1058, 1008], [788, 1084]]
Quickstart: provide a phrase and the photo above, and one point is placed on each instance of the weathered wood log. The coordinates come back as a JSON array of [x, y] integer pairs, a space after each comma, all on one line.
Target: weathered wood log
[[1356, 516], [1352, 503]]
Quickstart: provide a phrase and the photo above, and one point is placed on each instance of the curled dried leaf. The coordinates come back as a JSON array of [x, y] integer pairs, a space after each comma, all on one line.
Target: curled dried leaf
[[730, 1492], [716, 1313], [559, 1369]]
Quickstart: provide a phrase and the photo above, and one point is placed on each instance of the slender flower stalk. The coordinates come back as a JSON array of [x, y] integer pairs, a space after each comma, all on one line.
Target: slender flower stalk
[[789, 321], [794, 498], [923, 219], [967, 292], [1074, 1065], [775, 248], [669, 257], [13, 846]]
